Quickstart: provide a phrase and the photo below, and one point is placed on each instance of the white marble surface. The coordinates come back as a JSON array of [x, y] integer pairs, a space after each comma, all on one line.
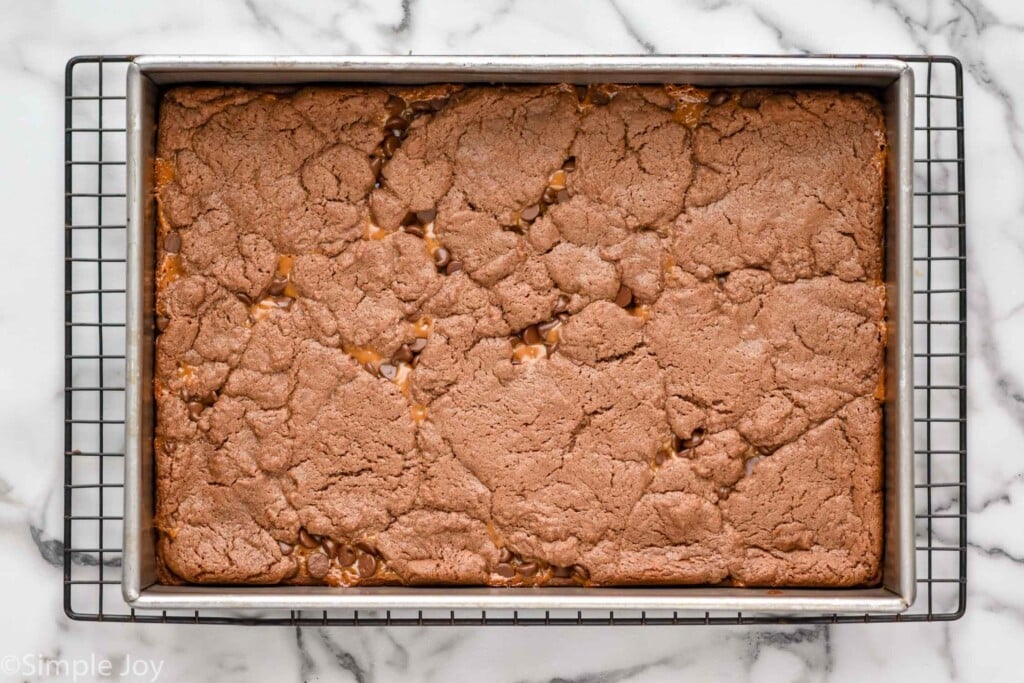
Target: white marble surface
[[36, 38]]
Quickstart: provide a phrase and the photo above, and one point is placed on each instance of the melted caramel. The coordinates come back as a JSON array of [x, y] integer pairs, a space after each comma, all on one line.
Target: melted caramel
[[554, 335], [419, 413], [373, 231], [642, 311], [402, 378], [528, 353], [170, 270], [364, 355], [421, 328], [284, 264], [667, 264], [688, 113], [557, 180], [262, 308], [496, 538], [690, 103], [430, 239], [164, 172]]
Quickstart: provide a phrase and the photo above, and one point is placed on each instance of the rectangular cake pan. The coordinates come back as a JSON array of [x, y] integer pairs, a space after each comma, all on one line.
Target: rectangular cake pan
[[893, 78]]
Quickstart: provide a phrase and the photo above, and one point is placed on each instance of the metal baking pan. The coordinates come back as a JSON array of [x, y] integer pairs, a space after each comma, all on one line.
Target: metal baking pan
[[146, 77]]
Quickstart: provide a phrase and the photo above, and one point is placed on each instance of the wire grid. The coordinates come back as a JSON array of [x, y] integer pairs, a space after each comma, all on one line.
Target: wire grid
[[95, 250]]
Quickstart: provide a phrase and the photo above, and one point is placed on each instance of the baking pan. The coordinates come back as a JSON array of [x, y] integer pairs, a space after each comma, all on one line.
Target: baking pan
[[146, 77]]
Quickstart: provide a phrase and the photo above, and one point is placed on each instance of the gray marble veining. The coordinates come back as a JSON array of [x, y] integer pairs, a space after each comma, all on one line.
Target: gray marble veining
[[37, 38]]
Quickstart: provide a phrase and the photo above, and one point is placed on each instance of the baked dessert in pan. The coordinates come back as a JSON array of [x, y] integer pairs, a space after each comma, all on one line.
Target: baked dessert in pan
[[517, 336]]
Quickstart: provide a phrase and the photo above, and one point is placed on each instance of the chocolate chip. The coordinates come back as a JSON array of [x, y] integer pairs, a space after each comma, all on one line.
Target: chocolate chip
[[277, 284], [562, 317], [375, 165], [441, 257], [209, 398], [366, 547], [562, 196], [531, 335], [389, 145], [561, 303], [244, 298], [530, 213], [453, 267], [307, 539], [751, 99], [162, 321], [438, 103], [396, 124], [546, 327], [660, 457], [718, 98], [421, 106], [172, 243], [581, 92], [286, 548], [403, 354], [394, 104], [569, 165], [624, 297], [696, 439], [505, 555], [599, 96], [318, 564], [330, 547], [418, 345], [388, 371], [550, 195], [414, 229], [427, 216], [366, 566], [580, 572], [408, 219], [561, 572], [505, 570], [195, 409], [527, 569], [346, 556]]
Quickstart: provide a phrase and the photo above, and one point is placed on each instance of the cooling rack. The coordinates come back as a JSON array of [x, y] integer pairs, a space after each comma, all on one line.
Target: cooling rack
[[94, 368]]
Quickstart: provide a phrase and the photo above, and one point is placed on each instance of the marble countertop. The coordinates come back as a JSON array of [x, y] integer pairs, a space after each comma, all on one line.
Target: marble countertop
[[38, 38]]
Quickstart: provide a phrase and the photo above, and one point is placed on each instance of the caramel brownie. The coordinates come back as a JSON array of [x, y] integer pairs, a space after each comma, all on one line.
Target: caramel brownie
[[519, 336]]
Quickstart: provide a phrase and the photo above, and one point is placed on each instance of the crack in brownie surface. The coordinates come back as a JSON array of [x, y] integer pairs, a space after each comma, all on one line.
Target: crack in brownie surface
[[519, 336]]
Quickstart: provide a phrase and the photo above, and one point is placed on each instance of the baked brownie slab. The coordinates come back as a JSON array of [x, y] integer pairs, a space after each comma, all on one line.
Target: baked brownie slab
[[519, 336]]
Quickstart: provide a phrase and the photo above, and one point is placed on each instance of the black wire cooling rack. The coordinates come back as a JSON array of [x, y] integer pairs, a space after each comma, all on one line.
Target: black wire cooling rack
[[94, 368]]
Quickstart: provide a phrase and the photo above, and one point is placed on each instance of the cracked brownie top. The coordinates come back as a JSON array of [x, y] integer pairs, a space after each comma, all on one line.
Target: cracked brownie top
[[519, 335]]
